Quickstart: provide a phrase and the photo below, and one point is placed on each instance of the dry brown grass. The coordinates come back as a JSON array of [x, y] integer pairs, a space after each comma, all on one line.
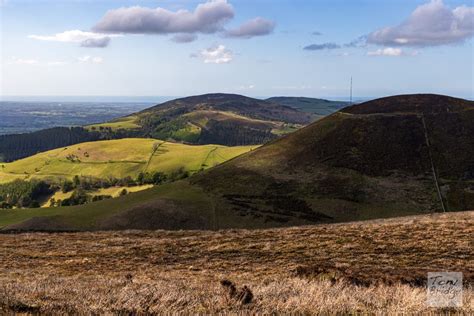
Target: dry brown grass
[[158, 272]]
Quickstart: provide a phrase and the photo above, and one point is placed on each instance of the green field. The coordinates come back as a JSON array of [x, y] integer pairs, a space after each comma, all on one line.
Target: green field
[[128, 122], [118, 159]]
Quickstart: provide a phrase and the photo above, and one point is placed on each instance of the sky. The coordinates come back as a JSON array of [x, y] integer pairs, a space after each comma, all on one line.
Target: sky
[[251, 47]]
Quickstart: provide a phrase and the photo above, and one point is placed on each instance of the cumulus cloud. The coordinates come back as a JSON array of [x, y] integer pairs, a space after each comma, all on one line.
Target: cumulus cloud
[[184, 38], [390, 51], [87, 39], [90, 59], [430, 24], [324, 46], [208, 17], [255, 27], [215, 55]]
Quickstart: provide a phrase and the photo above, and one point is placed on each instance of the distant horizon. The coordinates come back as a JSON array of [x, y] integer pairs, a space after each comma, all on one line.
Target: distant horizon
[[164, 98]]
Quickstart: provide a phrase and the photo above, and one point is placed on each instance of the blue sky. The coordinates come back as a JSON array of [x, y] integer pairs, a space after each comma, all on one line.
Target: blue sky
[[256, 48]]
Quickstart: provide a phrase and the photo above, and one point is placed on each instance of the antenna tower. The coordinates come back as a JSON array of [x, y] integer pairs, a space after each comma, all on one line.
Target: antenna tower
[[351, 92]]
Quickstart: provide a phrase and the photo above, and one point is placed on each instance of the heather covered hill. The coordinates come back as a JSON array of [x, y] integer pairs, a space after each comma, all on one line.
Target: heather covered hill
[[352, 166]]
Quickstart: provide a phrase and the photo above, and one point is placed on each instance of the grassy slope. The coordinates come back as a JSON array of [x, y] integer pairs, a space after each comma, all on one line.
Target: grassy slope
[[127, 122], [118, 158], [288, 270]]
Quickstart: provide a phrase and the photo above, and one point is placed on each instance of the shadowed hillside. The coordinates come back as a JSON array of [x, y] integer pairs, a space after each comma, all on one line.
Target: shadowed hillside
[[389, 157], [370, 160]]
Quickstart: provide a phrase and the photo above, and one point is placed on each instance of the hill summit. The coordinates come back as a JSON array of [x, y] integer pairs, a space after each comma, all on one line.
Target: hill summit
[[409, 153], [219, 118]]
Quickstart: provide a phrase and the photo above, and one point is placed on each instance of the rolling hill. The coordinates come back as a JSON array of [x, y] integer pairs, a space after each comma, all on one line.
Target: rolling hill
[[394, 156], [225, 119], [117, 159]]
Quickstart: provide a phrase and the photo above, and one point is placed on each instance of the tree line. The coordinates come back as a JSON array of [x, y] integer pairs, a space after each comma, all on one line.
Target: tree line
[[17, 146], [29, 194]]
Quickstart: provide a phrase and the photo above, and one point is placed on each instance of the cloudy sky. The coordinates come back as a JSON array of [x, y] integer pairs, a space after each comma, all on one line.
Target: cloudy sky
[[256, 48]]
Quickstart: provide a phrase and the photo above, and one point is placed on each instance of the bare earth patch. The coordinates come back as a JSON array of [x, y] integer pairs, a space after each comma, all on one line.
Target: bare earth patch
[[376, 266]]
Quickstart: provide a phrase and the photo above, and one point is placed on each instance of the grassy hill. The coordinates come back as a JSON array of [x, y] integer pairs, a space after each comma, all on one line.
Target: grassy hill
[[373, 160], [117, 158], [226, 119], [318, 107]]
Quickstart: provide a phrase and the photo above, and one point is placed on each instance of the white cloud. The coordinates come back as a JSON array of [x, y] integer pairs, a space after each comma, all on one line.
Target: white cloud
[[216, 55], [255, 27], [33, 61], [23, 61], [246, 87], [87, 39], [390, 51], [90, 59], [430, 24], [208, 17]]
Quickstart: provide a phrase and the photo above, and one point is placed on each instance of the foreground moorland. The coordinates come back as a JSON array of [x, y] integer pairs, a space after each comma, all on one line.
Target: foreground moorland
[[376, 266]]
